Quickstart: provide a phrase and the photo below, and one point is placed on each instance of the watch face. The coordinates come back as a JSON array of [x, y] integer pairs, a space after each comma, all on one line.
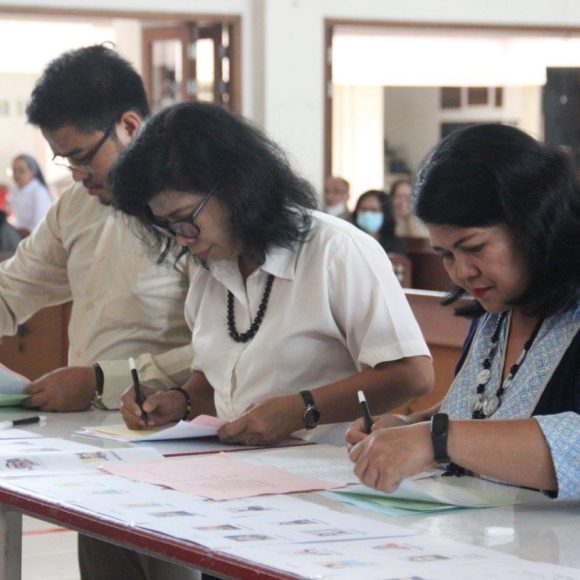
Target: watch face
[[311, 417]]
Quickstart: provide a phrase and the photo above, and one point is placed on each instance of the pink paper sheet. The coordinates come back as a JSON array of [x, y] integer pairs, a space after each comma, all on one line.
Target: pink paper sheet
[[219, 477]]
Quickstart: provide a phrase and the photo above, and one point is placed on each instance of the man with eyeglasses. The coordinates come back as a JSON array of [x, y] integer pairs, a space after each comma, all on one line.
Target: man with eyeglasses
[[89, 104]]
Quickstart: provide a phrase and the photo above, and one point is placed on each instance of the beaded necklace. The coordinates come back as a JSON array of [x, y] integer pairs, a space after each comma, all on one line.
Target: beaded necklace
[[250, 333], [484, 406]]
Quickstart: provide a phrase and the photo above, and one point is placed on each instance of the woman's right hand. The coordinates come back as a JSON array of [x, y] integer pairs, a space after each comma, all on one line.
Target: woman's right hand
[[356, 431], [162, 407]]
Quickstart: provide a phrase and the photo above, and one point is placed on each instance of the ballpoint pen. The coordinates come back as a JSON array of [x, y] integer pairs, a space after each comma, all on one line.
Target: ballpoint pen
[[26, 421], [366, 412], [137, 386]]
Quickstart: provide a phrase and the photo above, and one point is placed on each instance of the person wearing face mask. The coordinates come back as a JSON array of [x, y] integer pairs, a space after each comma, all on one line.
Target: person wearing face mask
[[336, 195], [503, 212], [374, 215], [30, 199]]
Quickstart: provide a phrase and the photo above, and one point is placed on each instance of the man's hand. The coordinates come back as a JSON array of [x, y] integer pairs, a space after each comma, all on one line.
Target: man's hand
[[266, 423], [64, 389]]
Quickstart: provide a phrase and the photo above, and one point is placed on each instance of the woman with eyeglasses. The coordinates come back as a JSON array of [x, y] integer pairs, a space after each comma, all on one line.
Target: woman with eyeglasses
[[293, 311]]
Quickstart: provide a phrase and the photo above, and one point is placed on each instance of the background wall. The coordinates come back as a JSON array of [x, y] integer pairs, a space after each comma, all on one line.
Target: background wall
[[282, 47]]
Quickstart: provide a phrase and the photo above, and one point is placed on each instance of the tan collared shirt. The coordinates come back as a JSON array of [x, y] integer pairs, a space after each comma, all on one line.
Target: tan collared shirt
[[124, 304]]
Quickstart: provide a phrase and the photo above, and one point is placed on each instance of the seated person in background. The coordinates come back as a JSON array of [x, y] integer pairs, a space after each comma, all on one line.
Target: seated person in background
[[407, 224], [293, 310], [374, 215], [504, 213], [30, 199], [336, 195], [9, 237]]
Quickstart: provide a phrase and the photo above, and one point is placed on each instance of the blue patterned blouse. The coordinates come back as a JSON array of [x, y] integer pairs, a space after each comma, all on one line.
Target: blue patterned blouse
[[547, 387]]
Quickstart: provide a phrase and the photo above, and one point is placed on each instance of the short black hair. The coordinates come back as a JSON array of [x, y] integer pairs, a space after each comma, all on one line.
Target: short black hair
[[87, 87], [198, 147], [388, 228], [493, 174]]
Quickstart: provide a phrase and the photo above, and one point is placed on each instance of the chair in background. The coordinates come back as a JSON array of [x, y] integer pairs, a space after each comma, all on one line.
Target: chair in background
[[403, 268]]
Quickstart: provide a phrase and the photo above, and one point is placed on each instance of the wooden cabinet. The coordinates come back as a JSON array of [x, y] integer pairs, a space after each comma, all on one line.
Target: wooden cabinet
[[40, 345]]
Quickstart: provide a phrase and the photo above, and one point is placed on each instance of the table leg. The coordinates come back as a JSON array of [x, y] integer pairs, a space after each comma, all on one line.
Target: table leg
[[11, 543]]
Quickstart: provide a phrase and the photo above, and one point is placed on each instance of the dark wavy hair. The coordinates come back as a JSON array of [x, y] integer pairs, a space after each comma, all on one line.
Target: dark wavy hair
[[387, 230], [494, 174], [89, 88], [197, 147]]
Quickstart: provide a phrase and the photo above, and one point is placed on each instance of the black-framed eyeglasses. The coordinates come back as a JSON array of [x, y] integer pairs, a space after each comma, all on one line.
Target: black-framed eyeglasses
[[183, 227], [84, 164]]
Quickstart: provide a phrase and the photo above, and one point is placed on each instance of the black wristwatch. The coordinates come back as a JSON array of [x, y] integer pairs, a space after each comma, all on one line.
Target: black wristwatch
[[312, 413], [439, 432]]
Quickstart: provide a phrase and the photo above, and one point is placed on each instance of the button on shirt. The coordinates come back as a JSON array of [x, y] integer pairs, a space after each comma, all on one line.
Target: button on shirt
[[336, 308], [124, 304]]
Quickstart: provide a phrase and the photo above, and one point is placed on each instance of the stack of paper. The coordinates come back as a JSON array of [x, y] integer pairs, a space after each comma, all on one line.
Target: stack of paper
[[11, 386]]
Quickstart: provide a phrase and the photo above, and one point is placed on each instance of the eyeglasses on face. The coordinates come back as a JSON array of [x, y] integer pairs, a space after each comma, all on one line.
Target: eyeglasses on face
[[184, 227], [84, 163]]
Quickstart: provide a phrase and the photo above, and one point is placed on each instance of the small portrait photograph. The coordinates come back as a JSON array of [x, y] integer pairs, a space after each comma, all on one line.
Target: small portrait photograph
[[92, 456], [315, 552], [394, 546], [150, 504], [330, 533], [218, 528], [250, 538], [22, 464], [344, 564], [299, 523], [427, 558], [172, 514], [249, 508]]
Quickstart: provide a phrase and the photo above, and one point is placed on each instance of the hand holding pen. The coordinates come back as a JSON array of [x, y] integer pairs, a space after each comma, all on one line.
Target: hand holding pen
[[137, 386], [368, 419]]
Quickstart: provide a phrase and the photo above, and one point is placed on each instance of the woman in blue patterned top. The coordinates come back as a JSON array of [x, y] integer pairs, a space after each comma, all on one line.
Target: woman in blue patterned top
[[503, 211]]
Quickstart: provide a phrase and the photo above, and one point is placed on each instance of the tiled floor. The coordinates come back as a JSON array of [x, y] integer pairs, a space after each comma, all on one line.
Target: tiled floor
[[48, 552]]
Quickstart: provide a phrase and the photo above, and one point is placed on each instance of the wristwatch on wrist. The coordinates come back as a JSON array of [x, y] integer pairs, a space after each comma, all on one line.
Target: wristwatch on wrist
[[97, 400], [439, 432], [312, 413]]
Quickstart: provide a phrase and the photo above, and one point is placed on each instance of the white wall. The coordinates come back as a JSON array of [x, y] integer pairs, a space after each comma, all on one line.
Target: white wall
[[358, 138], [413, 117], [289, 102]]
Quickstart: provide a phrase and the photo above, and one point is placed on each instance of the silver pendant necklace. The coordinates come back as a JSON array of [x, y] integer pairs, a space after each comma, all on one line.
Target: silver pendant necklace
[[482, 405]]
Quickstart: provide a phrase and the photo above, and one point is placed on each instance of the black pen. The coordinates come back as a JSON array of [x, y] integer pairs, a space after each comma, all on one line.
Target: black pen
[[137, 386], [27, 421], [366, 412]]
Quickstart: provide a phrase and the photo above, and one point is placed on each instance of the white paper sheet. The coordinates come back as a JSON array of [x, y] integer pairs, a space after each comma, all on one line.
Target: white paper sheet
[[27, 464], [319, 461], [11, 383]]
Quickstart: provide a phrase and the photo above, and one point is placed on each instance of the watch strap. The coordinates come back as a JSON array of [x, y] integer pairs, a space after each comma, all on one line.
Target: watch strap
[[439, 434], [97, 399]]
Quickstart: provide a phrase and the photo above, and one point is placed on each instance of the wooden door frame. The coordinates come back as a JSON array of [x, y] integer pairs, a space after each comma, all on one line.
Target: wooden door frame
[[79, 14], [329, 28]]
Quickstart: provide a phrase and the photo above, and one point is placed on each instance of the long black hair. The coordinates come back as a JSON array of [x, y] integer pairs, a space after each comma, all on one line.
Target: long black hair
[[495, 174], [197, 148]]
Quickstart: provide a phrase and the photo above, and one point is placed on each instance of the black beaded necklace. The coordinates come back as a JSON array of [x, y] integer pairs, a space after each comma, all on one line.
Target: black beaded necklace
[[483, 407], [250, 333]]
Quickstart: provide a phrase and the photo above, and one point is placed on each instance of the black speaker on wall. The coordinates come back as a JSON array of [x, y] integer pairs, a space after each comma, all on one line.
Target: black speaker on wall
[[561, 106]]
